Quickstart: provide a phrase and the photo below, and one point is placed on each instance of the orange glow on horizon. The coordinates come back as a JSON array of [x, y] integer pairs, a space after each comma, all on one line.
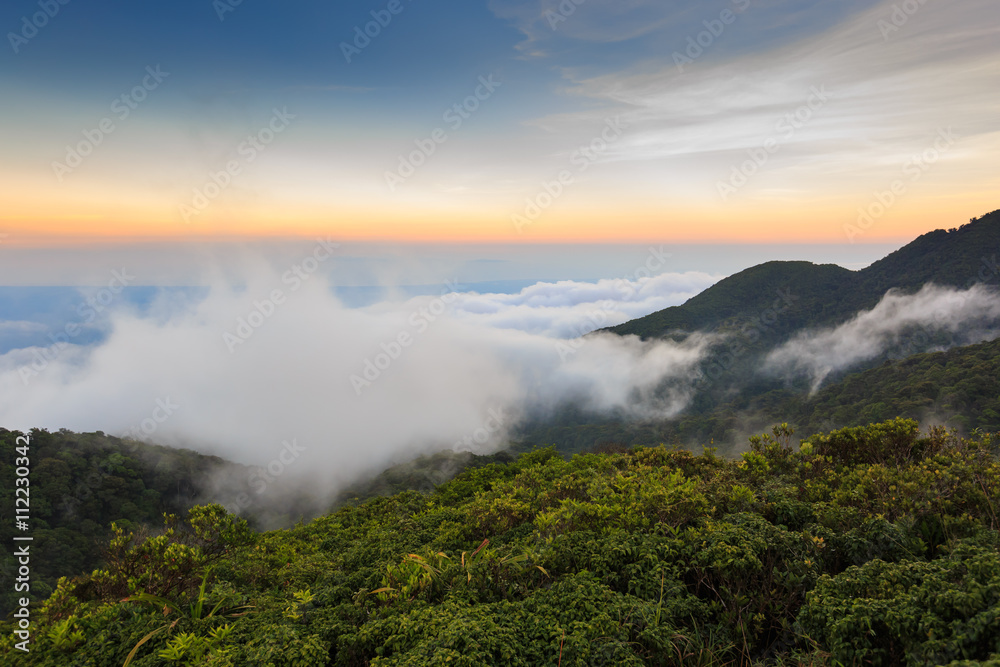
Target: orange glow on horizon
[[78, 216]]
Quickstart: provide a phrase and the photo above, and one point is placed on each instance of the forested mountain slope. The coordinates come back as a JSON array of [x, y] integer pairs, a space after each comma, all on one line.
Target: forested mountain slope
[[959, 388], [828, 294], [954, 257], [80, 483], [874, 545], [761, 308]]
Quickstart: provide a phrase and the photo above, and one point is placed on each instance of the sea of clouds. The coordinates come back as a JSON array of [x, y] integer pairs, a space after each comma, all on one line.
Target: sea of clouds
[[241, 368], [268, 364]]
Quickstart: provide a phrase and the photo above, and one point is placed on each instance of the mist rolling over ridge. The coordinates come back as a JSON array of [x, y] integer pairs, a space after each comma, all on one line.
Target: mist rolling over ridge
[[520, 332], [305, 369], [265, 356], [970, 316]]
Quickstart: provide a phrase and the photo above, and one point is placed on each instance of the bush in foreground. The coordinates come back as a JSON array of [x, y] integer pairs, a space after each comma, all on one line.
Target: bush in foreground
[[863, 546]]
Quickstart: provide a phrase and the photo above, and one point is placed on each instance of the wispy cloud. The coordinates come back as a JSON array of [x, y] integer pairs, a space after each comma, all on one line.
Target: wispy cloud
[[593, 20], [888, 95], [971, 314]]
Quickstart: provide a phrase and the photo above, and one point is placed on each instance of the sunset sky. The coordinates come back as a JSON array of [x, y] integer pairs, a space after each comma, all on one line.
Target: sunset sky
[[766, 121], [487, 180]]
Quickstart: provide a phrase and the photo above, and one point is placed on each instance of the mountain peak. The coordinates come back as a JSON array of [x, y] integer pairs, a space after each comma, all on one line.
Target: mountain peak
[[825, 294]]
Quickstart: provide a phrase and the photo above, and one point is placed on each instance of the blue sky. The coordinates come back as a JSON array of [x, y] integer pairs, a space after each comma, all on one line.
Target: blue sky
[[695, 88], [263, 52], [268, 46], [728, 132]]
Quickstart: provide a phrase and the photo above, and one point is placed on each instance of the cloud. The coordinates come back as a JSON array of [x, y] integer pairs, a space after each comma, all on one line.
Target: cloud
[[565, 309], [890, 90], [21, 327], [650, 27], [542, 21], [971, 315], [356, 388]]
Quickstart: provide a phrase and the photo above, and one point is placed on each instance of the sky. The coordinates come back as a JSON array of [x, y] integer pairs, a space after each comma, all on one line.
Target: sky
[[382, 228], [509, 122]]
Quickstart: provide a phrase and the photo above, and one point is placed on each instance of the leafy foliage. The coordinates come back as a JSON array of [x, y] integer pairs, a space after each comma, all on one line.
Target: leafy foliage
[[960, 386], [872, 545], [81, 483]]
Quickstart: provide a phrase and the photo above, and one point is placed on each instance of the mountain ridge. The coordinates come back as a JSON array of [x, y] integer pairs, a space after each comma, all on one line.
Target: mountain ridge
[[957, 257], [765, 306]]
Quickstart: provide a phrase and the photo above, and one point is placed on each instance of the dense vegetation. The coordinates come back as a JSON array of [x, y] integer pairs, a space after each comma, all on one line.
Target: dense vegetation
[[868, 545], [424, 473], [827, 294], [953, 257], [80, 483], [762, 307], [83, 482], [959, 387], [871, 545]]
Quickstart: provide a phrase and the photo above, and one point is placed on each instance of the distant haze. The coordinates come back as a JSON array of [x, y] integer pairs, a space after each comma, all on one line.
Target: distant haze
[[388, 265]]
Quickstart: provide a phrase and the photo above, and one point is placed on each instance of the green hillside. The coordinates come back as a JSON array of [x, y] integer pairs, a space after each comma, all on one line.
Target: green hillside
[[873, 546], [764, 306], [828, 294], [959, 387], [954, 257], [797, 291], [82, 482]]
